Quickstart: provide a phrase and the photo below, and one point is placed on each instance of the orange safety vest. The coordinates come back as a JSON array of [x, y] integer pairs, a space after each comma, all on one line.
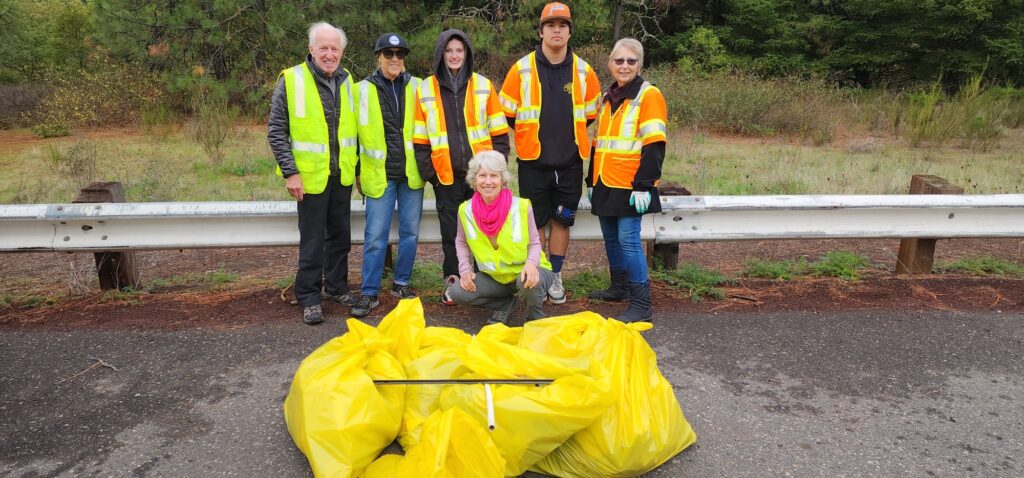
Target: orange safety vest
[[482, 112], [520, 97], [621, 136]]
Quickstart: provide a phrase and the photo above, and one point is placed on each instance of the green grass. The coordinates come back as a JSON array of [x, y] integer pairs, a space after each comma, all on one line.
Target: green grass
[[982, 266], [127, 295], [25, 301], [783, 270], [841, 264], [579, 284], [284, 282], [208, 280], [427, 280], [697, 281]]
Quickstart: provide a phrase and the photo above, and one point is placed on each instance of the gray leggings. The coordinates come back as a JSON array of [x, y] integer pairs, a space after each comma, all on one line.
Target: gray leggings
[[496, 296]]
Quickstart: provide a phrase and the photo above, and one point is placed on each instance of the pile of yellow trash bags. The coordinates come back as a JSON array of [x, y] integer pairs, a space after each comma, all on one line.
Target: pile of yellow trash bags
[[607, 410]]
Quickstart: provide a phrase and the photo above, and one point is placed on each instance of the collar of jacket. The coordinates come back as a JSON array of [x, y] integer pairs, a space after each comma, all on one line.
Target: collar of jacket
[[319, 74], [543, 60], [377, 78], [615, 95]]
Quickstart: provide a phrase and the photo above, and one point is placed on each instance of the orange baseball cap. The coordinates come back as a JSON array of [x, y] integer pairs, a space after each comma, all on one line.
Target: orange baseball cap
[[555, 11]]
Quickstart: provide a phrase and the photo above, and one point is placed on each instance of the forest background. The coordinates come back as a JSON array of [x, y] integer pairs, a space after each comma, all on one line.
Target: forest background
[[886, 78]]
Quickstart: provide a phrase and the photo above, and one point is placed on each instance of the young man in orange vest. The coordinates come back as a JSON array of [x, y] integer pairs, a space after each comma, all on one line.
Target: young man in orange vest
[[458, 115], [549, 97]]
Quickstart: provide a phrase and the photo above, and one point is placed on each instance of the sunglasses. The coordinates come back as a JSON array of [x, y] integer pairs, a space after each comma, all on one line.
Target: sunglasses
[[620, 61], [388, 54]]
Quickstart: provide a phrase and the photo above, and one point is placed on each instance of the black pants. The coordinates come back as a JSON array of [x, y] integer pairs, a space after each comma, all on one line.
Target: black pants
[[325, 239], [448, 200]]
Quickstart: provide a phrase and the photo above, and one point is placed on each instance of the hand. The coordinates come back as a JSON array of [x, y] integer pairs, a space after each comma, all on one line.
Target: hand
[[468, 282], [590, 194], [530, 275], [359, 186], [641, 200], [294, 185]]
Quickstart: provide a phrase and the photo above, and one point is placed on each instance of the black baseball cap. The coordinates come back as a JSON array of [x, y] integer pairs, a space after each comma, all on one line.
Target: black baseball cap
[[390, 40]]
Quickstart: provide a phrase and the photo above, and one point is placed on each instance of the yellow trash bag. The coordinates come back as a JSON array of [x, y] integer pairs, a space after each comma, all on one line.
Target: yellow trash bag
[[404, 325], [335, 414], [530, 421], [439, 357], [453, 446], [643, 429]]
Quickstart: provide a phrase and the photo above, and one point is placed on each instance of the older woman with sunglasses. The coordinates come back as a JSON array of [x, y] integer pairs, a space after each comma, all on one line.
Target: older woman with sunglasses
[[497, 233], [625, 169]]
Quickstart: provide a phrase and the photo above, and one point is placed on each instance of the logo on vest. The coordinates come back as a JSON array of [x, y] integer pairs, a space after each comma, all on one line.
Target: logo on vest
[[393, 40]]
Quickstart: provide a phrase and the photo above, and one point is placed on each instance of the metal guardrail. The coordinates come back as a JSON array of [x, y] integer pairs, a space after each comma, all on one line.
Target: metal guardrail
[[187, 225]]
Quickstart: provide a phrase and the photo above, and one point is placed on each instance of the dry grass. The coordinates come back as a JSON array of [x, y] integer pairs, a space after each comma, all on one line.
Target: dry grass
[[743, 166]]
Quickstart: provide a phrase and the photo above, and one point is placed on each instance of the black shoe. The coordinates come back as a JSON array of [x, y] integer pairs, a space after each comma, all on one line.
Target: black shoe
[[403, 291], [501, 316], [365, 304], [618, 291], [639, 309], [348, 298], [312, 315]]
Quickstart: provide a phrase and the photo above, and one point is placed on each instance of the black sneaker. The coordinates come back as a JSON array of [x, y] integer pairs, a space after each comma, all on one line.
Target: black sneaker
[[446, 296], [364, 305], [403, 291], [312, 315], [501, 316], [348, 298]]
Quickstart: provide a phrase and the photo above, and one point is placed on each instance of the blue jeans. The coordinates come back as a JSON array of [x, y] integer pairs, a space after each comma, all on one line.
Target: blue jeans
[[623, 246], [379, 212]]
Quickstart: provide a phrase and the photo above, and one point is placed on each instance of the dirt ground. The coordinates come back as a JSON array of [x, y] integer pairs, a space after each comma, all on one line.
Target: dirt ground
[[254, 298]]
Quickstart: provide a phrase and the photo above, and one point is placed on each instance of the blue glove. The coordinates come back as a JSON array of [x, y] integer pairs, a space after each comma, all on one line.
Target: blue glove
[[641, 200]]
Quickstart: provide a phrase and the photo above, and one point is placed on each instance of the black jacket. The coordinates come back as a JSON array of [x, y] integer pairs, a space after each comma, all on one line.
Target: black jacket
[[278, 134], [608, 201], [391, 94], [453, 102]]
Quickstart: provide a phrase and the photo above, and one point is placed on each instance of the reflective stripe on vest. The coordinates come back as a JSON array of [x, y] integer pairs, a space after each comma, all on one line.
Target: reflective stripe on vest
[[478, 124], [506, 262], [307, 125], [373, 143], [528, 111], [617, 150]]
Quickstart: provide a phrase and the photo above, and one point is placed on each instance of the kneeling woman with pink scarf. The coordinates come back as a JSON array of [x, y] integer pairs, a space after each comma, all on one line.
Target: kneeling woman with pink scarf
[[497, 234]]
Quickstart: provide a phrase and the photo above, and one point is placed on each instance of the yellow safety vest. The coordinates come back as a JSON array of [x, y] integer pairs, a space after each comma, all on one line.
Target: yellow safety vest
[[373, 149], [307, 126], [505, 263]]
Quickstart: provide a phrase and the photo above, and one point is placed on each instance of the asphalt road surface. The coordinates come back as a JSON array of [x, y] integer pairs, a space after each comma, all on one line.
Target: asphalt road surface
[[786, 394]]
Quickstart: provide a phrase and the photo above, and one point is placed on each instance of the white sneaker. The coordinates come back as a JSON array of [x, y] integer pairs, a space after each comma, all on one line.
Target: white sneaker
[[556, 293]]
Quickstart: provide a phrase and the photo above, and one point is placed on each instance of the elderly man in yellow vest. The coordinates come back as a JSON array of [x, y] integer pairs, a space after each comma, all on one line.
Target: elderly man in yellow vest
[[312, 132]]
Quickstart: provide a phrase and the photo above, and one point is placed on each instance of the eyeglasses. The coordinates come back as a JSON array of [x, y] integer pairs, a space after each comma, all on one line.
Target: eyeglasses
[[388, 54], [631, 61]]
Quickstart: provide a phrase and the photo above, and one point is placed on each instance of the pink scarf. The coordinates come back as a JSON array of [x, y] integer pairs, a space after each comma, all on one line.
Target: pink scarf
[[490, 217]]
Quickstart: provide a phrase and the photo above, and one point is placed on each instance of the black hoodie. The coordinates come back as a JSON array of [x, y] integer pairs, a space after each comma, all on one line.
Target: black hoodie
[[453, 102]]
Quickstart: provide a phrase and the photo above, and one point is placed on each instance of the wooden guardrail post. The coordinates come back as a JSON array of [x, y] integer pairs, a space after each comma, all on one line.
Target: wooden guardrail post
[[918, 255], [116, 270], [666, 254]]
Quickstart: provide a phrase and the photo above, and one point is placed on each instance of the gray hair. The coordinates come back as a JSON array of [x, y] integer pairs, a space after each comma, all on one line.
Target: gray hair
[[633, 45], [314, 28], [491, 160]]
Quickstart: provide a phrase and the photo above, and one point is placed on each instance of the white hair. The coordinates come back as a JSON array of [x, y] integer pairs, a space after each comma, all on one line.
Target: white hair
[[490, 160], [633, 45], [316, 27]]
